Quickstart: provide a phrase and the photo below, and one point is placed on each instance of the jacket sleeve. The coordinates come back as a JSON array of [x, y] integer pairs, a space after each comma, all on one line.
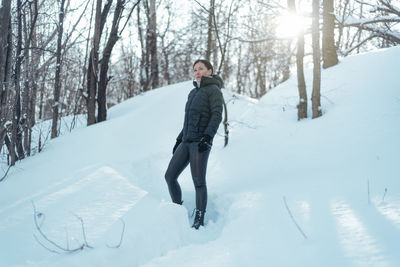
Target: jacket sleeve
[[179, 138], [216, 100]]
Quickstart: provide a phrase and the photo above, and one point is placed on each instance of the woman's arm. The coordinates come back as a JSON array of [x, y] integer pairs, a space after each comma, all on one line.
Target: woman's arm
[[216, 101], [179, 138]]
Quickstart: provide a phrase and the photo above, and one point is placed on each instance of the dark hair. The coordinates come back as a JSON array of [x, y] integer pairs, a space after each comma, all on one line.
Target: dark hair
[[206, 63]]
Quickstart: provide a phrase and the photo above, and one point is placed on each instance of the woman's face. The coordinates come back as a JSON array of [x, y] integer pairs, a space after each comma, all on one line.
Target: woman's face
[[200, 70]]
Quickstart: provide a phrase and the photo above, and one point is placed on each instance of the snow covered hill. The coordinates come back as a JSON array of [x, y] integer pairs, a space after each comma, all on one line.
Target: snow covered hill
[[323, 192]]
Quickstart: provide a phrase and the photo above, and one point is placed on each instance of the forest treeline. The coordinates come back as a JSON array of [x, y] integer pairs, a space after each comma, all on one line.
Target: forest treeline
[[64, 57]]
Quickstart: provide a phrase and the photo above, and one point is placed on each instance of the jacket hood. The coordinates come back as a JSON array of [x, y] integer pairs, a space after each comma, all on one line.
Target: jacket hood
[[208, 80]]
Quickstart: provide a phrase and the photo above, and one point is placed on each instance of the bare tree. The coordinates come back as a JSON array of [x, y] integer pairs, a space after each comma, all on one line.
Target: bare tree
[[152, 42], [57, 84], [301, 83], [329, 54], [144, 61], [5, 52], [16, 134], [100, 19], [316, 94], [210, 30], [29, 88], [113, 38], [92, 83], [377, 27]]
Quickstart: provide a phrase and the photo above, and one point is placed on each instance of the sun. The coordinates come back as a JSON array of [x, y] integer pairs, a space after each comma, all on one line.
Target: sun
[[290, 25]]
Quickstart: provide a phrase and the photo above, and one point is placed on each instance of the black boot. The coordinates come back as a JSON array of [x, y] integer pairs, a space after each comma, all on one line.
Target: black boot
[[198, 219]]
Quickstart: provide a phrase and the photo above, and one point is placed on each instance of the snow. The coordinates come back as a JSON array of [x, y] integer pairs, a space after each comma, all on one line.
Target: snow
[[337, 175]]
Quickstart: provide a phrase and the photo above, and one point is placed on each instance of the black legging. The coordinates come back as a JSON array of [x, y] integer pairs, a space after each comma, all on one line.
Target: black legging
[[184, 154]]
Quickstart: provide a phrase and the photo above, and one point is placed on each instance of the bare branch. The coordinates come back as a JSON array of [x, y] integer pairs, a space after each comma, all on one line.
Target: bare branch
[[203, 7], [39, 229], [122, 235], [294, 221], [348, 51], [83, 231], [40, 243], [357, 22], [5, 175], [129, 16]]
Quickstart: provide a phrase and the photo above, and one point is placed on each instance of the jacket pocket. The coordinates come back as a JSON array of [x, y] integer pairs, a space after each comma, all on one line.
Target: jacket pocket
[[194, 122]]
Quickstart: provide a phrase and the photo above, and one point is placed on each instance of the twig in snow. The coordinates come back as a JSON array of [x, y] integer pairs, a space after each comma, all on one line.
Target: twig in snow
[[39, 229], [384, 195], [40, 243], [294, 221], [122, 235], [5, 175], [83, 231]]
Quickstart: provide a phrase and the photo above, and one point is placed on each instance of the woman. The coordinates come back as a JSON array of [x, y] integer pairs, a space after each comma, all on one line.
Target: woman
[[203, 114]]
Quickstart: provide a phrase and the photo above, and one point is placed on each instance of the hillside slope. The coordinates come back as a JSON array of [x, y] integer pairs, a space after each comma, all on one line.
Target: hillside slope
[[327, 175]]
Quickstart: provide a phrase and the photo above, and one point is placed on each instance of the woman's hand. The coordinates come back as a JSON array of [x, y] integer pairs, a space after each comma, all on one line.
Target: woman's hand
[[205, 143]]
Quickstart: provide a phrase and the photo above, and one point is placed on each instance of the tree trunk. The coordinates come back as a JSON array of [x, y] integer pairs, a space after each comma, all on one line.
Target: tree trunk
[[41, 95], [239, 72], [144, 71], [209, 31], [329, 54], [5, 52], [92, 67], [166, 71], [5, 16], [26, 89], [29, 75], [16, 136], [153, 45], [57, 83], [301, 83], [102, 86], [316, 94]]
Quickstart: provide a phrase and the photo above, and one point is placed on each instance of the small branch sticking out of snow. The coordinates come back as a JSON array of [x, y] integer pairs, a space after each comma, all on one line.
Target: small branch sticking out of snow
[[61, 248], [83, 231], [122, 236], [384, 195], [294, 221], [5, 175]]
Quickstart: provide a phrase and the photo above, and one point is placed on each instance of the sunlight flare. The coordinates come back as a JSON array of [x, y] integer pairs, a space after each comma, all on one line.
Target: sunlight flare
[[290, 25]]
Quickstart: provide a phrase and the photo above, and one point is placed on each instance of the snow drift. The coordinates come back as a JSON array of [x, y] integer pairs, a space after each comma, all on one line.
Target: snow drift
[[336, 177]]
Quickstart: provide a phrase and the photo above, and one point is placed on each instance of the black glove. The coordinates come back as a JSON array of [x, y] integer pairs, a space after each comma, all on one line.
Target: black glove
[[176, 146], [205, 143]]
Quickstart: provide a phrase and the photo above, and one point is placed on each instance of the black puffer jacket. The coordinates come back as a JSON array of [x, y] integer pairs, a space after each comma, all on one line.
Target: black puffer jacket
[[203, 111]]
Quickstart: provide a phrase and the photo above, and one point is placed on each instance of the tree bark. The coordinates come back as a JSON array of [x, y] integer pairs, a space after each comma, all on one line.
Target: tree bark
[[57, 83], [301, 83], [102, 86], [154, 76], [92, 67], [16, 135], [209, 31], [316, 94], [5, 52], [5, 15], [329, 54], [144, 70]]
